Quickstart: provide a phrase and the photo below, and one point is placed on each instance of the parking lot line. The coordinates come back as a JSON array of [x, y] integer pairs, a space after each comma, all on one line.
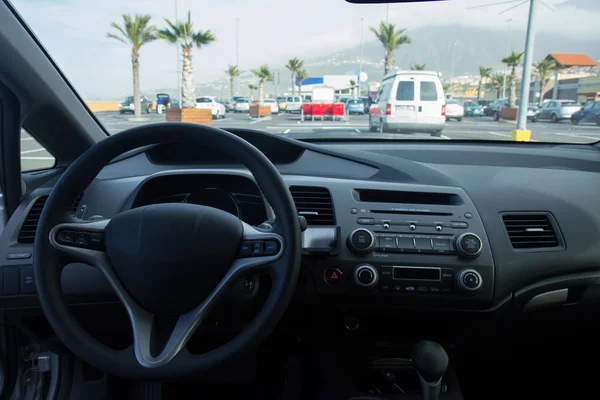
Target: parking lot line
[[287, 130], [499, 134]]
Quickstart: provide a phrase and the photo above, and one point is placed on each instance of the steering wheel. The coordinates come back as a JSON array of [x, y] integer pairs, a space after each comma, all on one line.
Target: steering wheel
[[166, 260]]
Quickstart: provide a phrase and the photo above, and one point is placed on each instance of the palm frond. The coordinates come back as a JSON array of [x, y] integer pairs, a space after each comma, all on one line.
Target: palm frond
[[116, 37], [203, 38]]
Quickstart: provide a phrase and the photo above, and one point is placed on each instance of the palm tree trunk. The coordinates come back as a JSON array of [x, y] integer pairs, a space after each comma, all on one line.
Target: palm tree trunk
[[293, 83], [188, 95], [389, 62], [137, 103], [497, 93], [543, 82], [479, 89], [261, 92], [300, 88], [231, 83], [513, 88]]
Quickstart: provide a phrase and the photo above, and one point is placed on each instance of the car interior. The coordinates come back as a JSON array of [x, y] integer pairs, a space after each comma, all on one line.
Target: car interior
[[176, 260]]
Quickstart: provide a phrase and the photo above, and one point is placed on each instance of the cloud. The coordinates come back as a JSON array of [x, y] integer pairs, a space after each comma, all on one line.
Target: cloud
[[270, 31]]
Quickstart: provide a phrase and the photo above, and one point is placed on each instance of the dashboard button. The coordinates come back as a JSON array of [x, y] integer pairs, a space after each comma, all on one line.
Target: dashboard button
[[447, 274], [406, 243], [386, 273], [409, 289], [82, 239], [365, 221], [446, 289], [18, 256], [468, 215], [387, 288], [387, 242], [361, 241], [354, 211], [271, 247], [458, 225], [469, 245], [423, 244], [334, 276], [441, 244], [258, 248], [471, 280], [422, 289], [27, 282], [412, 227], [245, 249], [397, 288], [96, 241], [65, 237], [434, 289]]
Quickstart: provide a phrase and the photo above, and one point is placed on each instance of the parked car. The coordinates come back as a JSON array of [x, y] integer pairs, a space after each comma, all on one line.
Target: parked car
[[273, 104], [230, 105], [355, 106], [589, 113], [166, 100], [367, 101], [532, 110], [281, 103], [242, 105], [211, 103], [128, 106], [293, 104], [409, 101], [472, 109], [495, 105], [454, 110], [556, 110]]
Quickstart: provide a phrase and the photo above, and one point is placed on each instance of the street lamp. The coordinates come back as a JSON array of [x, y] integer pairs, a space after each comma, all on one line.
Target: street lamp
[[237, 51], [452, 74], [507, 53], [178, 66], [525, 82], [362, 20]]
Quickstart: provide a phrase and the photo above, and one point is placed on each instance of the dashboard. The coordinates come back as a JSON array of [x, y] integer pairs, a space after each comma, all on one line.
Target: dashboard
[[452, 226]]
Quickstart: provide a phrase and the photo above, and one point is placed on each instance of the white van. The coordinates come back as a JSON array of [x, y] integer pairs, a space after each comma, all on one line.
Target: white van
[[409, 101], [293, 104]]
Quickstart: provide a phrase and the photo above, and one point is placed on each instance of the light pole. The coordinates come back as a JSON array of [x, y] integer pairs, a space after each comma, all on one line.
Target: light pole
[[237, 51], [452, 74], [178, 66], [507, 52], [387, 13], [362, 20], [526, 80]]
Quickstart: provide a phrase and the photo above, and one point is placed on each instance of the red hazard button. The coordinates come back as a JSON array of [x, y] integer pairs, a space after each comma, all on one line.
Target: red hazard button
[[334, 276]]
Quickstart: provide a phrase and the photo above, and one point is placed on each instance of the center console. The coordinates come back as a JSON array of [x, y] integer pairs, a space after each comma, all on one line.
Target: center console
[[423, 245]]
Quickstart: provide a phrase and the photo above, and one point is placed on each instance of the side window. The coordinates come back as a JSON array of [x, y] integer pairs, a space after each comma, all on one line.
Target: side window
[[385, 92], [406, 91], [33, 155], [428, 91]]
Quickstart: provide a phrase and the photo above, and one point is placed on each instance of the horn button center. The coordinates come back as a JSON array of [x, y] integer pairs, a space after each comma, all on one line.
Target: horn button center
[[169, 257]]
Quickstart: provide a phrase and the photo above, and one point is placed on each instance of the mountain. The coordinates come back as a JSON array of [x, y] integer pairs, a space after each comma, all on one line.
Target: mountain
[[446, 49]]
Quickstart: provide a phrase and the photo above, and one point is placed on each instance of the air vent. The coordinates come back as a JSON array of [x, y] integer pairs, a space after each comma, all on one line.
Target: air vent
[[532, 231], [27, 232], [314, 203]]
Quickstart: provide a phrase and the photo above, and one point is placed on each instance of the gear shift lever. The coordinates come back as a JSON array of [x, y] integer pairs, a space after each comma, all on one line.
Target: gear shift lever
[[430, 361]]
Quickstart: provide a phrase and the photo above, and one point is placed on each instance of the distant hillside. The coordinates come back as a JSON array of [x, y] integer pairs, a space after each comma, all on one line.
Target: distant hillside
[[432, 46]]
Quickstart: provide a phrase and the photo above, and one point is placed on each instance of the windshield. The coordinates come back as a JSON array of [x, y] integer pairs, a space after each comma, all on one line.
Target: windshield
[[404, 61]]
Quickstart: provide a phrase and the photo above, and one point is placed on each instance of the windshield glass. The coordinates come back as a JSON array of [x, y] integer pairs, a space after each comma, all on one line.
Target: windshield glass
[[403, 61]]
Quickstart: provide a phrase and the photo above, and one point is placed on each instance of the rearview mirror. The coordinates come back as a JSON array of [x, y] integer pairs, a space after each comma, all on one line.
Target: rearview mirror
[[388, 1]]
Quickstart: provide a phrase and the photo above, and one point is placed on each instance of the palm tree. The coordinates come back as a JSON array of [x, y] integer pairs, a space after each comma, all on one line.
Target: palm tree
[[263, 74], [418, 67], [513, 61], [484, 72], [446, 87], [391, 39], [543, 69], [252, 89], [302, 75], [496, 82], [135, 32], [182, 33], [352, 87], [232, 72], [294, 65]]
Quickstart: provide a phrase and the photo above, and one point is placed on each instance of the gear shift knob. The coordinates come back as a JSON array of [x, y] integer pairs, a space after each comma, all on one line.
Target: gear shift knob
[[430, 361]]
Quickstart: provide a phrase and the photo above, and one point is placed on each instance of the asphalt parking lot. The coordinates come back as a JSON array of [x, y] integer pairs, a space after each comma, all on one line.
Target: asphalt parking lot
[[290, 125]]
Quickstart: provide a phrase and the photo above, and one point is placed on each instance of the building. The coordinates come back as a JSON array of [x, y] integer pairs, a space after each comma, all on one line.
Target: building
[[341, 83]]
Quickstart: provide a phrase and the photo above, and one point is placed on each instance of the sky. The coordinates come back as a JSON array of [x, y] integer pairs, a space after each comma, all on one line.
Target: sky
[[270, 32]]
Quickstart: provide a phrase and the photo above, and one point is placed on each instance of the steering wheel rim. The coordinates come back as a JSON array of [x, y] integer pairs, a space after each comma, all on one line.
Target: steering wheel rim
[[50, 256]]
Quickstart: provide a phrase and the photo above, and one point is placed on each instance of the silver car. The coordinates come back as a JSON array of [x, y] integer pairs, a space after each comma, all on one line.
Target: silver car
[[556, 110]]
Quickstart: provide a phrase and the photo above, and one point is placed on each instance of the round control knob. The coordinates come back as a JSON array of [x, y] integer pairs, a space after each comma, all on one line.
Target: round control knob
[[412, 227], [469, 280], [366, 276], [361, 241], [469, 245]]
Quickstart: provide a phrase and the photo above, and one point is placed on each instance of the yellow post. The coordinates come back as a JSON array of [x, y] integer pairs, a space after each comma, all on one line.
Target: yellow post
[[521, 135]]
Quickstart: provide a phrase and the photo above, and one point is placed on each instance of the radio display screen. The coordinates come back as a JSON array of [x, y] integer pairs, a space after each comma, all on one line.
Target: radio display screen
[[429, 274]]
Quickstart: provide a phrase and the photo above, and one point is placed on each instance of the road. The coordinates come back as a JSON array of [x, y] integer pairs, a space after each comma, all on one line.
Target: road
[[476, 128]]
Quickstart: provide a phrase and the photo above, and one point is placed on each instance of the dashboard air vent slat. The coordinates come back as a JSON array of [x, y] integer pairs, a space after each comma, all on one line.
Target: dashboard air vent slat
[[531, 231], [27, 232], [76, 204], [314, 203]]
